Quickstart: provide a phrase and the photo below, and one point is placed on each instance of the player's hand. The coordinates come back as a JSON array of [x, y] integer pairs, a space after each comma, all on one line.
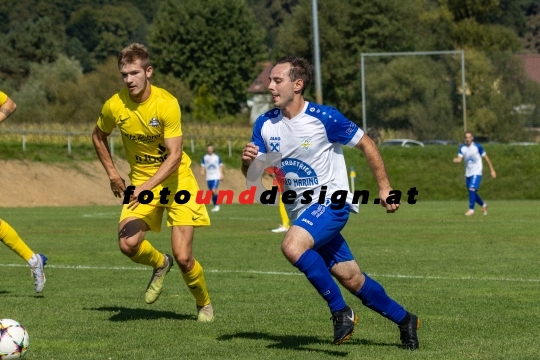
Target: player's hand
[[390, 208], [493, 174], [249, 154], [457, 160], [118, 185], [134, 200]]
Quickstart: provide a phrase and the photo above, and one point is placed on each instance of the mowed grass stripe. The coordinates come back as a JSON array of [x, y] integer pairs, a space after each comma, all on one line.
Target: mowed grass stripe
[[279, 273]]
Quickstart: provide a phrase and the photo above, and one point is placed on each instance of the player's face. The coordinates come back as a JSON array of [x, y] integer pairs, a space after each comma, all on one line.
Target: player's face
[[468, 139], [281, 86], [210, 150], [136, 79]]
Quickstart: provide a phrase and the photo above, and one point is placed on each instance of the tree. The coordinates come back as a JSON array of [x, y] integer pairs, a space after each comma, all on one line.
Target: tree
[[212, 42], [271, 14], [348, 28], [30, 42]]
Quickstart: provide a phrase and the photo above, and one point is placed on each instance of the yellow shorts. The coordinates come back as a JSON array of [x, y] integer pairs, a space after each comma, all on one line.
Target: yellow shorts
[[188, 214]]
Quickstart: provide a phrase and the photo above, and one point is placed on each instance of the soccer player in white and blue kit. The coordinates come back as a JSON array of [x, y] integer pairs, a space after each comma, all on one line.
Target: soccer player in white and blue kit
[[211, 165], [310, 138], [473, 154]]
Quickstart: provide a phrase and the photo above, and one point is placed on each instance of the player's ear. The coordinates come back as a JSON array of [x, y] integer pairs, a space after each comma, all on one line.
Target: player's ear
[[298, 85], [149, 71]]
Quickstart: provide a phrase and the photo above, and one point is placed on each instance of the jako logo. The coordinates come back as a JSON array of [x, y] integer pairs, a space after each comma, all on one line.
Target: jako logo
[[307, 221]]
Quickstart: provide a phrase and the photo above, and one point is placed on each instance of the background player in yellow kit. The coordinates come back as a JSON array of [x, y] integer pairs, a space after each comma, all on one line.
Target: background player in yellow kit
[[148, 118], [8, 235]]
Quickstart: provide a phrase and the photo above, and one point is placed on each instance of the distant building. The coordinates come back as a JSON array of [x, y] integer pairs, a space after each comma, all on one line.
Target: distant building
[[261, 101], [531, 62]]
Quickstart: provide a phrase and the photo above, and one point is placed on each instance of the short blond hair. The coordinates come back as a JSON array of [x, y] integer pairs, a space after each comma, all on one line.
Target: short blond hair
[[133, 52]]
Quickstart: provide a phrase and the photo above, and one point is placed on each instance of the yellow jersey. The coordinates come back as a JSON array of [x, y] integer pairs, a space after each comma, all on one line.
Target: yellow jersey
[[144, 128], [3, 98]]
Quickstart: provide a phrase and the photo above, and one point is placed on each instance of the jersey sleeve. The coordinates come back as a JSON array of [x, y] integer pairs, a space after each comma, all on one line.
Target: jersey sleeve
[[342, 130], [460, 152], [106, 121], [172, 119], [481, 150], [256, 137], [3, 98], [219, 160], [202, 162]]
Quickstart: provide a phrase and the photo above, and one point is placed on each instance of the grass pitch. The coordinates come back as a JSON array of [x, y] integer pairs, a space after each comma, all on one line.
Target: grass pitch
[[473, 281]]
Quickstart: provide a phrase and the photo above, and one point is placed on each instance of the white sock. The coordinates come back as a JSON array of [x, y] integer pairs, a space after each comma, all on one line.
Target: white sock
[[33, 260]]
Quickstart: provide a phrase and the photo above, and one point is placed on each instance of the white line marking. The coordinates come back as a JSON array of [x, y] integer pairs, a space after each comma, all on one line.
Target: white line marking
[[283, 273], [100, 214]]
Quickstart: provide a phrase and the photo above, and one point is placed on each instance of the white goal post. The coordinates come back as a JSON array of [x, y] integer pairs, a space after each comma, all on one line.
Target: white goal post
[[415, 53]]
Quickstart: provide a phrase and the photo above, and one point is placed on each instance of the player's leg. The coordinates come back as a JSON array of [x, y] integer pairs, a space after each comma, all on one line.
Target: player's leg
[[131, 232], [9, 236], [339, 258], [469, 181], [313, 228], [184, 218], [213, 185], [478, 199], [191, 269]]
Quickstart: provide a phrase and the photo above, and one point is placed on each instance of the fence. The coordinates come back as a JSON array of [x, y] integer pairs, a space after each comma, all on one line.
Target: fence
[[69, 136]]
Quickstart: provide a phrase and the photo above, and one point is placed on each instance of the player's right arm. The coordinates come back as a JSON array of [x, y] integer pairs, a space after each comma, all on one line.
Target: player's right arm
[[248, 155], [99, 138], [105, 125], [7, 107], [458, 158]]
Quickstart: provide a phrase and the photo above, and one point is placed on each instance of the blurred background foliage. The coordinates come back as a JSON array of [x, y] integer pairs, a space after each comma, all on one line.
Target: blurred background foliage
[[58, 58]]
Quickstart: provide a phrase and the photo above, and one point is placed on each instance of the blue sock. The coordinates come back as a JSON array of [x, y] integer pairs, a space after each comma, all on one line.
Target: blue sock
[[479, 200], [472, 199], [214, 199], [374, 297], [313, 266]]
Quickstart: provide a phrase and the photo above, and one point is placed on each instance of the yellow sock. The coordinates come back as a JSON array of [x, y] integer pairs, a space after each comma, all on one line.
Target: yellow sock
[[148, 255], [196, 284], [283, 213], [9, 236]]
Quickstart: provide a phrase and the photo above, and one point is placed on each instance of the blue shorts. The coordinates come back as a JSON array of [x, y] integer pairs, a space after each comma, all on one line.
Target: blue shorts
[[473, 182], [212, 184], [324, 224]]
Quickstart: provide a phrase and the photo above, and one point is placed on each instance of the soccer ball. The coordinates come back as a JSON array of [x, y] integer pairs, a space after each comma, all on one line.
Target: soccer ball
[[14, 340]]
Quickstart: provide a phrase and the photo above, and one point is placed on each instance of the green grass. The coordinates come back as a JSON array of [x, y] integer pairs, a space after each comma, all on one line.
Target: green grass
[[472, 280]]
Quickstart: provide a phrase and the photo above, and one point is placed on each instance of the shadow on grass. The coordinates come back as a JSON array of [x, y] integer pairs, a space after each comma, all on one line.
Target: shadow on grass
[[296, 342], [127, 314], [5, 293]]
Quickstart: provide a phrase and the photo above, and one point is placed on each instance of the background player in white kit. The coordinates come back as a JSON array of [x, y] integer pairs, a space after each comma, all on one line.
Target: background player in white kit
[[213, 167], [473, 154]]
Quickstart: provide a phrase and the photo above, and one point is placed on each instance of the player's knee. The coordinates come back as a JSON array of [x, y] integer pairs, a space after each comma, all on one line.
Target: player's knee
[[127, 249], [291, 251], [184, 261]]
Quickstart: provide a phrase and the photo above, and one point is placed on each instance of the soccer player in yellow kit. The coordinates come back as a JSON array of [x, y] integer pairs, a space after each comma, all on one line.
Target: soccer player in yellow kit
[[8, 235], [148, 118]]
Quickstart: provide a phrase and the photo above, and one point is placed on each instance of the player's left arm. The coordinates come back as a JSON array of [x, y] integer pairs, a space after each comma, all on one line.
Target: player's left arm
[[170, 165], [7, 108], [491, 168], [220, 170], [376, 164]]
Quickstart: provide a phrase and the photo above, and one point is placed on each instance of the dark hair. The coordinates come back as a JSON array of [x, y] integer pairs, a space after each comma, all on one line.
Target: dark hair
[[133, 52], [300, 69], [468, 132]]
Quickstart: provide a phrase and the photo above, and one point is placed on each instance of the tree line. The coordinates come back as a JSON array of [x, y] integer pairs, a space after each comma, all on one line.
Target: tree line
[[58, 61]]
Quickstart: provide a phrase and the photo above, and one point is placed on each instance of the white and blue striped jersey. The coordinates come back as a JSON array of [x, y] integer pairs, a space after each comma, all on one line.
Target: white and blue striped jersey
[[211, 163], [311, 146], [472, 155]]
